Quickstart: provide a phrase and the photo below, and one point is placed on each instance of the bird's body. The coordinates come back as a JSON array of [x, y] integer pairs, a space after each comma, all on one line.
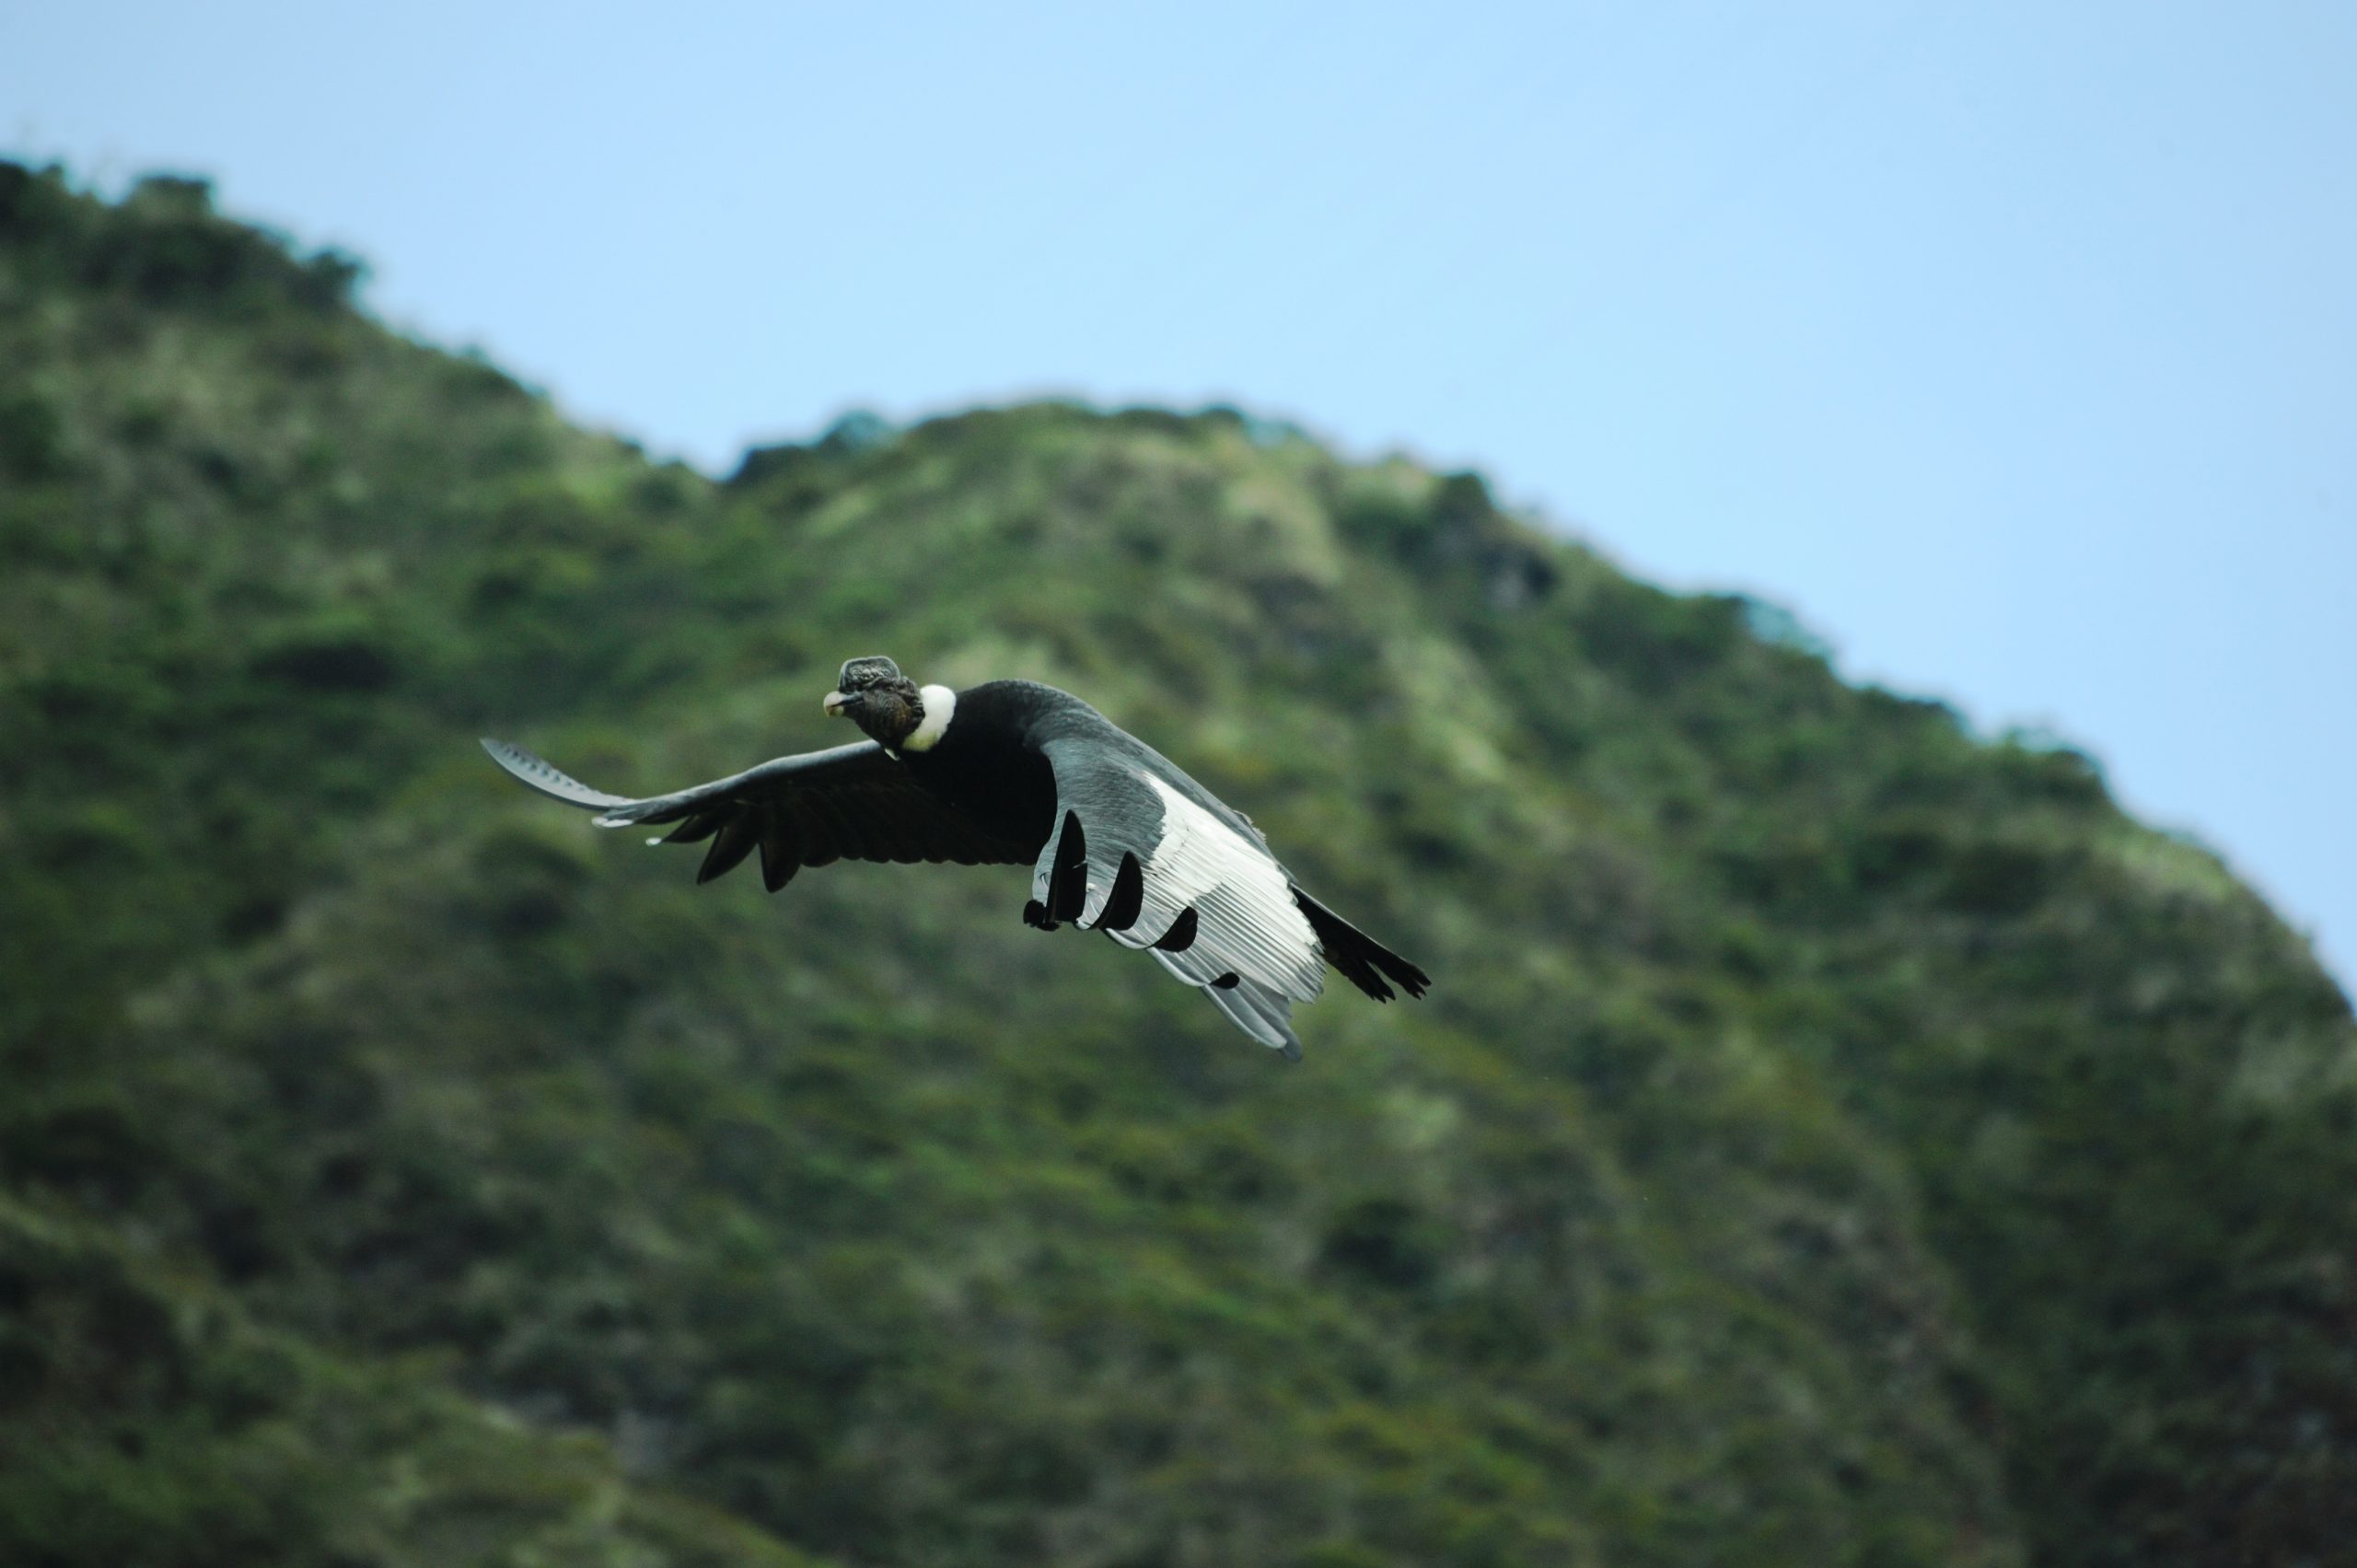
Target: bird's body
[[1120, 839], [987, 766]]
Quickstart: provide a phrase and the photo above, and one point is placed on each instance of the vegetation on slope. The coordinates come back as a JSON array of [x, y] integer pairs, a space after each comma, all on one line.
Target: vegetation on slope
[[1833, 1138]]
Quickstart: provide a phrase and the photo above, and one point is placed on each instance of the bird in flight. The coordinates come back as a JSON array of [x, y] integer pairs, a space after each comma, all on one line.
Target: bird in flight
[[1010, 773]]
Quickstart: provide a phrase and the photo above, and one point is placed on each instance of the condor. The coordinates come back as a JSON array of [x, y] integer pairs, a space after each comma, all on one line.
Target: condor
[[1119, 839]]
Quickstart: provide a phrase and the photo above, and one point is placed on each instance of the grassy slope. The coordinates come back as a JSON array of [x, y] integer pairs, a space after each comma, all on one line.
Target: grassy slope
[[1832, 1140]]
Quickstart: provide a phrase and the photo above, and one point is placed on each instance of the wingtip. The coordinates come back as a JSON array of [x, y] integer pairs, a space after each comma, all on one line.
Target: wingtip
[[535, 774]]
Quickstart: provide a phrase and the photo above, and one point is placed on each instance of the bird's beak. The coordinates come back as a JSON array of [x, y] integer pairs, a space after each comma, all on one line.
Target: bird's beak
[[833, 703]]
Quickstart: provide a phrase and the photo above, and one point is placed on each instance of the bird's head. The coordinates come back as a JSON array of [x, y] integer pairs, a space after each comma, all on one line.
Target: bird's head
[[874, 695]]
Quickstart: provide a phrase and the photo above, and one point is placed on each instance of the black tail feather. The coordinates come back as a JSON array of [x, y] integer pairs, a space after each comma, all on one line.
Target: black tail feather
[[1357, 956]]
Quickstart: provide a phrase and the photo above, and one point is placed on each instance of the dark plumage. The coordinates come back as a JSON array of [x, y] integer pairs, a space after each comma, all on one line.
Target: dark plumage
[[1119, 838]]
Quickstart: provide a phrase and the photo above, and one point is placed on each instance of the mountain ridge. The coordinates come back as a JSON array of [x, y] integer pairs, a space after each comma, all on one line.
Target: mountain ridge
[[1833, 1137]]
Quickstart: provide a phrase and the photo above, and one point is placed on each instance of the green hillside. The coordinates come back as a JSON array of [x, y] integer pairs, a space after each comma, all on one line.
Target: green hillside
[[1832, 1137]]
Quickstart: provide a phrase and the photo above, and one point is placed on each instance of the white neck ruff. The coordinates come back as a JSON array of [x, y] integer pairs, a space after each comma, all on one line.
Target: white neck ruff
[[940, 707]]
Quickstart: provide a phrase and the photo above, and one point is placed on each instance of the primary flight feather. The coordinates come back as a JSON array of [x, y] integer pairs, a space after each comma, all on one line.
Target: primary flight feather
[[1120, 840]]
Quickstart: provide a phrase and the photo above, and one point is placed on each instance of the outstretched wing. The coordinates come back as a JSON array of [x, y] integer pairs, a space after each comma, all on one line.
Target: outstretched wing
[[850, 803], [1141, 858]]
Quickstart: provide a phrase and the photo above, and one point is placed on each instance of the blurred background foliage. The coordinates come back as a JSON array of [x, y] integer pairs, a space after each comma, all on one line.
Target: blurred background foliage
[[1834, 1138]]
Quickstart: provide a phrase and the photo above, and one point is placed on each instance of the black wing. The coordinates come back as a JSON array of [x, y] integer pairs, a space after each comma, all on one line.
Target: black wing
[[1137, 857], [851, 803], [1145, 854]]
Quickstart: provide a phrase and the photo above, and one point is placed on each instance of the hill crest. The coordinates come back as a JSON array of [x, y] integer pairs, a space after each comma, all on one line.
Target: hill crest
[[1840, 1139]]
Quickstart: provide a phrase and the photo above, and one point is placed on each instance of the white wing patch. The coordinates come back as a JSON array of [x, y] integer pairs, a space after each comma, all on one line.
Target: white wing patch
[[1247, 922], [1177, 870]]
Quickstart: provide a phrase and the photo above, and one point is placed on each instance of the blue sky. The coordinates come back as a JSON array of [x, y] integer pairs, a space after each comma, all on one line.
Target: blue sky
[[2012, 346]]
